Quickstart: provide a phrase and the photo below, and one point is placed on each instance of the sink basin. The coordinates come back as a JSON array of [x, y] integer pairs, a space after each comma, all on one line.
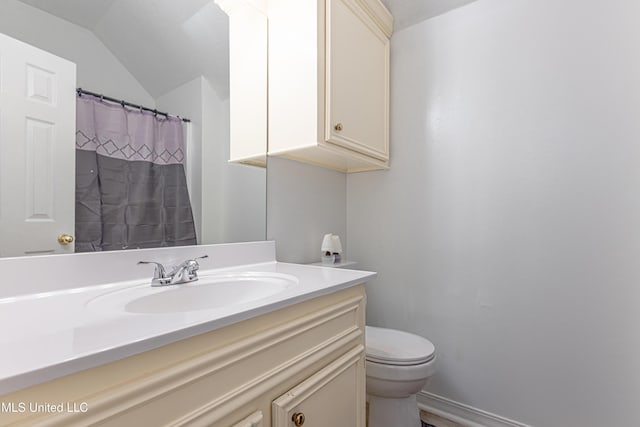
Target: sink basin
[[207, 293]]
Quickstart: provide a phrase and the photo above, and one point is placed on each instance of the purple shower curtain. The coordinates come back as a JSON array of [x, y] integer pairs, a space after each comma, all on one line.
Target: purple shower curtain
[[131, 189]]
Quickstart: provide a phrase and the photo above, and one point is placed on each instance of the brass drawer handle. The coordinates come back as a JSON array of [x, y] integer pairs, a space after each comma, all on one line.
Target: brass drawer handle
[[338, 127], [298, 419]]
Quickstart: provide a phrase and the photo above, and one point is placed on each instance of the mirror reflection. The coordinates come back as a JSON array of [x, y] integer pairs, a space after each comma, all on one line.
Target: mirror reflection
[[80, 172]]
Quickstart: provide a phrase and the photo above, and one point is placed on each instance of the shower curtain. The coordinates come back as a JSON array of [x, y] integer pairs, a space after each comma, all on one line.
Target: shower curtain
[[131, 189]]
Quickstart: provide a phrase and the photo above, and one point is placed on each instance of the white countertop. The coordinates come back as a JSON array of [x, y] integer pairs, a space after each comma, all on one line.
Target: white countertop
[[54, 333]]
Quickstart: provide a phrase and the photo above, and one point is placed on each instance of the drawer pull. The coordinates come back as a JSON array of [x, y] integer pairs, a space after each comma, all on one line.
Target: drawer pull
[[338, 127]]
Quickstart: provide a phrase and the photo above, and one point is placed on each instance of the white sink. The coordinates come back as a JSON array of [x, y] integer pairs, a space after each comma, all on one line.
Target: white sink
[[207, 293]]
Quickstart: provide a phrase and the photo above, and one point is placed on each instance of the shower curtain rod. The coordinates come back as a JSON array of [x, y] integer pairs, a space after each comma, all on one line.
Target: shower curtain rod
[[81, 92]]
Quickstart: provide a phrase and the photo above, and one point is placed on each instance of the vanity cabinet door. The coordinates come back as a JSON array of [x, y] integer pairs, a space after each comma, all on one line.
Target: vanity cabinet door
[[334, 396], [357, 75]]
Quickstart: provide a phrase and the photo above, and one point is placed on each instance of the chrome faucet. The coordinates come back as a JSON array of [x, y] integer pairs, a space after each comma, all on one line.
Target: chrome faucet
[[185, 272], [159, 275]]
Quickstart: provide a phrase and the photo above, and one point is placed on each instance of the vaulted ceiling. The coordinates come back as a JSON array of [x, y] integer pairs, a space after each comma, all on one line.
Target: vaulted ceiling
[[163, 43]]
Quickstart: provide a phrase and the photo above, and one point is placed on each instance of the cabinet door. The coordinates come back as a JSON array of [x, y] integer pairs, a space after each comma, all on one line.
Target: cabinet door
[[334, 396], [357, 80]]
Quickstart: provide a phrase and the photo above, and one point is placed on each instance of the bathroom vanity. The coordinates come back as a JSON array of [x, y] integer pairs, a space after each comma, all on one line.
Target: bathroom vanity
[[290, 356]]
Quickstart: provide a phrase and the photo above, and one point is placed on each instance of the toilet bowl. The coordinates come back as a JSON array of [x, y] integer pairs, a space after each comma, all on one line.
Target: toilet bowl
[[398, 365]]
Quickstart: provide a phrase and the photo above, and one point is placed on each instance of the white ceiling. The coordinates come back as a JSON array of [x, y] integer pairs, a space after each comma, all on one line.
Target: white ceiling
[[163, 43], [408, 12]]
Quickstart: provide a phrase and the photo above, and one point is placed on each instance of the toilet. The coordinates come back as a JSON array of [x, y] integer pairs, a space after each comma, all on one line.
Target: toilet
[[398, 364]]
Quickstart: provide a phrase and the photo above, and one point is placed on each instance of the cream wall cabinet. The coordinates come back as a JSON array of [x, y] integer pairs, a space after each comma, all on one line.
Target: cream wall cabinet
[[247, 80], [312, 84], [308, 357], [328, 100]]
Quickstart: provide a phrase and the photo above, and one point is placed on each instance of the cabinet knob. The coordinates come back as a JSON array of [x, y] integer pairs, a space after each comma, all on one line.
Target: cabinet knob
[[65, 239], [338, 127], [298, 419]]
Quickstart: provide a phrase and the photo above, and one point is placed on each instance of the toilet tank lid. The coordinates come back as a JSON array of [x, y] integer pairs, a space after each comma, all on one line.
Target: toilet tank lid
[[397, 347]]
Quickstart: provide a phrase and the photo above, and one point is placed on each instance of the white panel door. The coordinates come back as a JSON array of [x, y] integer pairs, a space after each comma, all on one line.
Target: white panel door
[[37, 150]]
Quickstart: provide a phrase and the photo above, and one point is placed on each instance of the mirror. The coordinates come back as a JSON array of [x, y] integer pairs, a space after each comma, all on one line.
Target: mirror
[[165, 55]]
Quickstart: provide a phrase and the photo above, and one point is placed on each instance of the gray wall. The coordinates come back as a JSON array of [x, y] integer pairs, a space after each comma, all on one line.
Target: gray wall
[[304, 202], [507, 230], [98, 70]]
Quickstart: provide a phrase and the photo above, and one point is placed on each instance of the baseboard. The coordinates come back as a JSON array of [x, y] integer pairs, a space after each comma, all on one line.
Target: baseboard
[[465, 415]]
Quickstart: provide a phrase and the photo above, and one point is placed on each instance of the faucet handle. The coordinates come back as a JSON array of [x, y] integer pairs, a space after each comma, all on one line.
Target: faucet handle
[[159, 274], [193, 265]]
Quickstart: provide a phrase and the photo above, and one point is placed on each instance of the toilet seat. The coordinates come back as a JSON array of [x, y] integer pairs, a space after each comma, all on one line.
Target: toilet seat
[[398, 348]]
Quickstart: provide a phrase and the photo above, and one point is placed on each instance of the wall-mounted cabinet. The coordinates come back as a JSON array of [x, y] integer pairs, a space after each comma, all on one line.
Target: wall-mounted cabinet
[[329, 82], [313, 82], [247, 80]]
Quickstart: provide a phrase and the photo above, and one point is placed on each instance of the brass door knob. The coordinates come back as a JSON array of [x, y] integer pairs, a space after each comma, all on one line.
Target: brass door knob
[[338, 127], [65, 239], [298, 419]]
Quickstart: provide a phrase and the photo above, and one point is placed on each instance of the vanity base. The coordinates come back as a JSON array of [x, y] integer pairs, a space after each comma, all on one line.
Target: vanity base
[[221, 377]]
